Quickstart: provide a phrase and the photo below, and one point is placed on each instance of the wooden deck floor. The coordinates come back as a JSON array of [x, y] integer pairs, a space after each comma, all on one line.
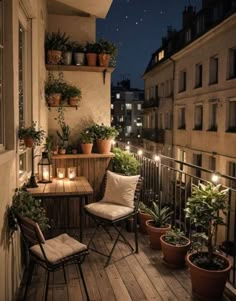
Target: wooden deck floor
[[138, 277]]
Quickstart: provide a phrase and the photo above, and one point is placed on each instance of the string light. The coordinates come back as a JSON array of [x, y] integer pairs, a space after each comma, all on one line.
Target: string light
[[127, 147], [140, 152], [215, 177], [157, 158]]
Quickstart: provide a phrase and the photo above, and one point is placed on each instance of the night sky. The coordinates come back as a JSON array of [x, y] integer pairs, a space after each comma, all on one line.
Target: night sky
[[136, 27]]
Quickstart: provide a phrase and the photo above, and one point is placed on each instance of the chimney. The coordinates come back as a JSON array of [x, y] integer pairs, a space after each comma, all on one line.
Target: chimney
[[188, 15]]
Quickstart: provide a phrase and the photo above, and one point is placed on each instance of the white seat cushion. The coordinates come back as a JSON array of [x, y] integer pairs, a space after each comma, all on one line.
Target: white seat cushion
[[107, 210], [58, 247], [120, 189]]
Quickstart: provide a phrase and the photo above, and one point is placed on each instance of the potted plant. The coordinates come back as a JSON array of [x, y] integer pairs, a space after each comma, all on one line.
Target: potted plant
[[26, 205], [86, 140], [73, 94], [31, 135], [158, 224], [103, 135], [174, 245], [106, 49], [67, 53], [91, 53], [124, 163], [65, 130], [55, 89], [209, 270], [143, 216], [54, 45], [79, 54]]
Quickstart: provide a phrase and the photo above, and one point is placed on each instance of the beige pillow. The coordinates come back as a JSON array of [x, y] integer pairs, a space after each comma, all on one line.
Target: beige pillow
[[120, 189]]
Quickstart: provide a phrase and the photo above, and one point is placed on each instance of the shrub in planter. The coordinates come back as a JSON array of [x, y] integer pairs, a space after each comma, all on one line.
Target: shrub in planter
[[124, 163], [158, 224], [31, 135], [174, 245], [209, 270]]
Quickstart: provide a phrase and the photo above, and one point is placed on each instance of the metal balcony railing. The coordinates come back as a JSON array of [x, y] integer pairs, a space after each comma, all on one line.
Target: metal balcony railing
[[151, 103], [169, 182], [155, 135]]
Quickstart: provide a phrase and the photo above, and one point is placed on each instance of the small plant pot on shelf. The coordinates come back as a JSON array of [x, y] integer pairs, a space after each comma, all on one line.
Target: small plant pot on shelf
[[73, 101], [174, 255], [208, 285], [29, 142], [155, 234], [54, 100], [91, 59], [67, 58], [103, 146], [54, 57], [104, 59], [87, 148], [79, 58]]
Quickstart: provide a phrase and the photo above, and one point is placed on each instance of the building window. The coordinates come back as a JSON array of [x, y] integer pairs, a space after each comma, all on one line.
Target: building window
[[160, 121], [198, 76], [117, 95], [232, 115], [182, 81], [161, 55], [213, 116], [128, 106], [213, 76], [198, 117], [181, 118], [232, 63], [139, 107], [212, 163], [167, 120], [232, 173], [197, 160], [1, 80], [156, 92], [181, 155], [112, 106]]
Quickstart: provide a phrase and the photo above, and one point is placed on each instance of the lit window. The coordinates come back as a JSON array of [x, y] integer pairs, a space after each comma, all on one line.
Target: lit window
[[182, 81], [232, 115], [117, 95], [128, 106], [139, 107], [112, 106], [213, 76], [232, 63], [213, 116], [181, 119], [198, 76], [198, 117], [161, 55]]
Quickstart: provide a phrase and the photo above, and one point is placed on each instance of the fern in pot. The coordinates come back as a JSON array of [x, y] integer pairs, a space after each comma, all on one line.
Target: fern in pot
[[209, 270]]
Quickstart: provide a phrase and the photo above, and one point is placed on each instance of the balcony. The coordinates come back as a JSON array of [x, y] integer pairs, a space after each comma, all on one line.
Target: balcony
[[151, 103], [155, 135]]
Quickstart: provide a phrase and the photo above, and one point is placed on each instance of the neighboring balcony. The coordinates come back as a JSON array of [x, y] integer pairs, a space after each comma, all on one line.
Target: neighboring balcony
[[155, 135], [151, 103]]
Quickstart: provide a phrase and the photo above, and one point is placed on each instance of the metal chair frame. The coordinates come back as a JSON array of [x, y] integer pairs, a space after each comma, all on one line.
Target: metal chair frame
[[103, 223], [32, 237]]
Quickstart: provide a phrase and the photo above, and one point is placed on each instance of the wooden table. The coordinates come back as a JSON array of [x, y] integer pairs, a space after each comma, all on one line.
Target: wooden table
[[64, 188]]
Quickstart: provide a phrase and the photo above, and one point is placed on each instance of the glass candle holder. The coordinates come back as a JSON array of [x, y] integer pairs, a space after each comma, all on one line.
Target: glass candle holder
[[60, 173], [71, 172]]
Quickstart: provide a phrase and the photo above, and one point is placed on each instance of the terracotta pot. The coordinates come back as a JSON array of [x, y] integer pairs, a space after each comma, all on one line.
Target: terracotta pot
[[87, 148], [73, 101], [174, 255], [142, 218], [155, 234], [54, 100], [104, 146], [29, 142], [104, 59], [208, 285], [54, 57], [91, 59], [62, 151]]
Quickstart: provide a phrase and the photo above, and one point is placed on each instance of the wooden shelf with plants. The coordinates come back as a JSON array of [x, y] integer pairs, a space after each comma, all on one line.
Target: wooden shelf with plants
[[78, 68]]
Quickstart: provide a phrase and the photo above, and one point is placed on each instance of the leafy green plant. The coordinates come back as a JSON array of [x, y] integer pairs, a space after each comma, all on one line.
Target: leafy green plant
[[56, 40], [79, 48], [142, 207], [103, 132], [108, 47], [32, 132], [161, 216], [86, 136], [206, 208], [24, 204], [175, 237], [55, 85], [125, 163], [73, 91], [91, 47], [65, 129]]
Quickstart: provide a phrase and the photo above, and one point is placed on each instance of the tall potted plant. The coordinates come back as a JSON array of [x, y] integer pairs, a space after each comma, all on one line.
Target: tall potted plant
[[106, 49], [31, 135], [158, 224], [209, 270]]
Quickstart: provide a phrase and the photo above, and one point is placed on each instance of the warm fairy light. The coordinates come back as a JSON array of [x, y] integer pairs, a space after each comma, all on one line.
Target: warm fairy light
[[140, 152], [61, 173], [215, 177], [127, 147], [113, 142], [157, 158]]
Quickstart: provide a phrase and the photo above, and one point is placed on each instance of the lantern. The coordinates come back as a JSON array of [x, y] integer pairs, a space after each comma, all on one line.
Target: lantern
[[45, 169]]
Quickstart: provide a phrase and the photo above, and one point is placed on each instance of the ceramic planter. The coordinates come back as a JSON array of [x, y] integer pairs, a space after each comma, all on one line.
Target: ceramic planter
[[91, 59], [54, 57], [67, 58], [208, 284], [155, 234], [104, 59], [79, 58], [174, 255], [142, 218], [104, 146], [86, 148]]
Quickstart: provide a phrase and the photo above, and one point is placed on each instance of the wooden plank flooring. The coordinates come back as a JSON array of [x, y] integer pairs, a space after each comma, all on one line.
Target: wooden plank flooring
[[138, 277]]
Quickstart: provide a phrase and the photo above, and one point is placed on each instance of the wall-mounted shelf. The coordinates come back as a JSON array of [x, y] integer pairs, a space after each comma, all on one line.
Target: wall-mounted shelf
[[64, 106], [78, 68]]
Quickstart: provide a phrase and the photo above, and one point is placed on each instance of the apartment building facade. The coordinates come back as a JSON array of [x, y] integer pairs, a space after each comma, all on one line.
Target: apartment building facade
[[203, 59]]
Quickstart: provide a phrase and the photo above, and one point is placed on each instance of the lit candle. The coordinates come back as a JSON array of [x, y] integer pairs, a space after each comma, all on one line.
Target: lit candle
[[71, 173], [61, 173]]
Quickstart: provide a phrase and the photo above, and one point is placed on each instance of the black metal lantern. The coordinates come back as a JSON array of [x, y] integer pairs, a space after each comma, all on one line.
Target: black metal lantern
[[45, 169]]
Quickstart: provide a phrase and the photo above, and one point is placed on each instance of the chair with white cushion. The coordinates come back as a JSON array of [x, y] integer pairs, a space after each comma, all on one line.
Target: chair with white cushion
[[51, 254], [119, 203]]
